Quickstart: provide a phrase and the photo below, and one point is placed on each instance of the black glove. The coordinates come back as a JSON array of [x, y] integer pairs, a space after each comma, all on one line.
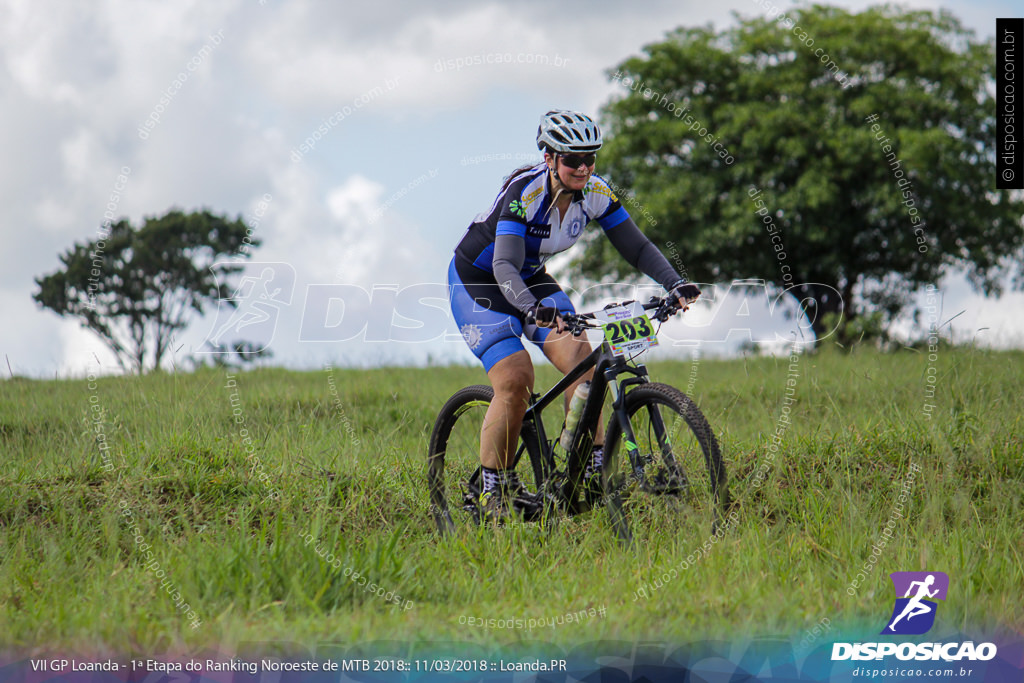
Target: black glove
[[686, 291], [541, 315]]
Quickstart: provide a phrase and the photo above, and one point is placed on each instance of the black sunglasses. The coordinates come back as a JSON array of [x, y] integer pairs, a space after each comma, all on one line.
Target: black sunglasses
[[574, 161]]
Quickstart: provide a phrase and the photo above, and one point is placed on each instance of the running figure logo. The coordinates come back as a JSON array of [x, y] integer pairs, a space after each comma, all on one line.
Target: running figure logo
[[257, 301], [914, 612]]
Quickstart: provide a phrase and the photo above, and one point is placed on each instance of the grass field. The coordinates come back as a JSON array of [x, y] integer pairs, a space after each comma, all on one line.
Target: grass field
[[181, 535]]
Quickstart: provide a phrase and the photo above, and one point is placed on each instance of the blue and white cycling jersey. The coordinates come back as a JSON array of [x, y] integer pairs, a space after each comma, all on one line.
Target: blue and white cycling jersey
[[526, 230], [524, 209]]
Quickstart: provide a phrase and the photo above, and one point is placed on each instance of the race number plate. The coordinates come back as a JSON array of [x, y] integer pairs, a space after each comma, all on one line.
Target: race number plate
[[630, 335]]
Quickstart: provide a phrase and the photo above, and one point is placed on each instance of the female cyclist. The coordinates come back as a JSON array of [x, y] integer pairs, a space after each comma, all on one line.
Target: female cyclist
[[500, 290]]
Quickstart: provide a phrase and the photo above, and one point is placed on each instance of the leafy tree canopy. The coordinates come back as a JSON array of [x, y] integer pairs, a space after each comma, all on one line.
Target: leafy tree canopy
[[870, 138], [136, 287]]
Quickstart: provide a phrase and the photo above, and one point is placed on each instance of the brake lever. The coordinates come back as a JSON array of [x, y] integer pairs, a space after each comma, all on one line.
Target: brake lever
[[577, 325], [668, 308]]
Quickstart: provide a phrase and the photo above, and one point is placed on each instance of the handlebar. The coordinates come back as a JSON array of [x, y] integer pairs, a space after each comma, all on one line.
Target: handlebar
[[664, 307]]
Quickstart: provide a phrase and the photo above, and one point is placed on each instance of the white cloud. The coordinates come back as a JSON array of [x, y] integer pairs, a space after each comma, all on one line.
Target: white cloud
[[355, 200]]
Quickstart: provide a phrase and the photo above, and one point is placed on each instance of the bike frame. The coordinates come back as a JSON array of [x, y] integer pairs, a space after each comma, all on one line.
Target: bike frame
[[606, 378]]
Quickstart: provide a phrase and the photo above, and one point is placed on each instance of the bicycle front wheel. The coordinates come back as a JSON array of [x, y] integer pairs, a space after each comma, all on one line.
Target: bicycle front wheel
[[454, 476], [670, 473]]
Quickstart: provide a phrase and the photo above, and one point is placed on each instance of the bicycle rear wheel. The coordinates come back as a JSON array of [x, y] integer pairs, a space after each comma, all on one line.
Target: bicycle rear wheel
[[453, 461], [672, 473]]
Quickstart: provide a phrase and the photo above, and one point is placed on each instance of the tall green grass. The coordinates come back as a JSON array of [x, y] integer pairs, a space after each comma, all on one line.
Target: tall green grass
[[342, 454]]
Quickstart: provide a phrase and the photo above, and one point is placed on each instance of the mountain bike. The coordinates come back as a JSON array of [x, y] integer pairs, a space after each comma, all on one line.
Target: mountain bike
[[661, 457]]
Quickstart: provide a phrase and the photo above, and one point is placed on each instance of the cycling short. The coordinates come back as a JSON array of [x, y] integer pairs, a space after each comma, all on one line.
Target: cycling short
[[490, 325]]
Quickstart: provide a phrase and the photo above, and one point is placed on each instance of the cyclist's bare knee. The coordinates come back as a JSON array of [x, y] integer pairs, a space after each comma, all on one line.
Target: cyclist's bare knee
[[566, 351], [512, 378]]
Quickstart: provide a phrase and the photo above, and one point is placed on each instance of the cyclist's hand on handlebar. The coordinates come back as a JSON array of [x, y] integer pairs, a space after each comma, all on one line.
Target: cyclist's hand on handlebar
[[545, 316], [686, 293], [542, 316]]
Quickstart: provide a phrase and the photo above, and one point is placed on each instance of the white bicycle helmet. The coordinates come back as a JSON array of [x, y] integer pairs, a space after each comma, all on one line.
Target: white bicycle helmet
[[568, 132]]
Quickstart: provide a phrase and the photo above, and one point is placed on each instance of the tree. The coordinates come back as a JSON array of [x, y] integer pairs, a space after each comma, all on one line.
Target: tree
[[136, 287], [870, 138]]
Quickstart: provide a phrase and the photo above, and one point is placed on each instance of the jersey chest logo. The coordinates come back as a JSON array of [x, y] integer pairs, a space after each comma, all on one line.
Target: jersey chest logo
[[575, 228]]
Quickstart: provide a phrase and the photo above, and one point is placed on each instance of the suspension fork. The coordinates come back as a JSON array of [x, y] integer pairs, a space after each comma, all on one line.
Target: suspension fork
[[619, 391]]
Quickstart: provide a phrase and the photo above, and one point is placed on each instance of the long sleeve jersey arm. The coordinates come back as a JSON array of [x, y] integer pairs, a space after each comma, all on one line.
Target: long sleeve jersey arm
[[641, 253], [509, 256]]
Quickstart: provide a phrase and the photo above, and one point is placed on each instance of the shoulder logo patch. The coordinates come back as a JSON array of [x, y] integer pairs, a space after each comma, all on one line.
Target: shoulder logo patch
[[528, 199], [601, 189]]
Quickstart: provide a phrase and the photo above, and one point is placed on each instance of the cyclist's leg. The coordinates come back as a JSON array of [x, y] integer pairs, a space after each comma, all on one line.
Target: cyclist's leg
[[566, 352], [563, 350], [493, 336], [512, 379]]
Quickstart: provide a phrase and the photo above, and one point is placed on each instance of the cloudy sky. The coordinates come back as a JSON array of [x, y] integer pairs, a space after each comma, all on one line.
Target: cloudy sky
[[357, 141]]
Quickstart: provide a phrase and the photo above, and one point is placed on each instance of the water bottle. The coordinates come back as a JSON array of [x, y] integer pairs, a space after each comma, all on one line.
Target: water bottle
[[572, 418]]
